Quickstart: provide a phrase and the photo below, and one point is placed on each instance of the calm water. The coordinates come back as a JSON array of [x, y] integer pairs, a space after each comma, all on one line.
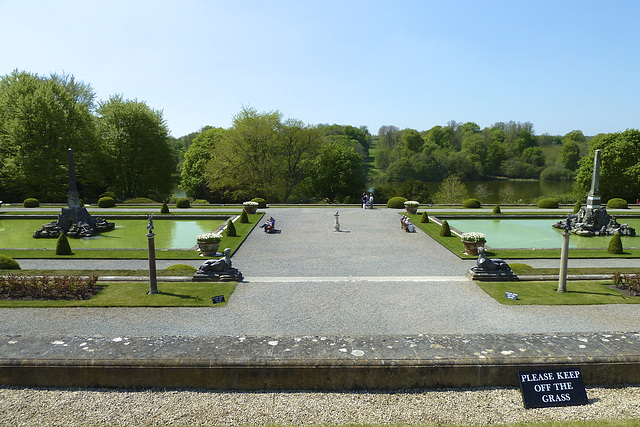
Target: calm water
[[535, 233], [504, 191], [128, 234]]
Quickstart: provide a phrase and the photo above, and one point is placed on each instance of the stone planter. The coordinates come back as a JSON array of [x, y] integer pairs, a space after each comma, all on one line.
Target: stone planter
[[208, 248], [471, 248], [250, 209], [411, 209]]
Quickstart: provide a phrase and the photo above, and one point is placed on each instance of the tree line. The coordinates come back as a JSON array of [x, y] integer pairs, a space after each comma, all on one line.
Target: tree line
[[123, 148]]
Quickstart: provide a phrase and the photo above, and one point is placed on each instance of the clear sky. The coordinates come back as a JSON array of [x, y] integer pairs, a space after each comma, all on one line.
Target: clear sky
[[562, 65]]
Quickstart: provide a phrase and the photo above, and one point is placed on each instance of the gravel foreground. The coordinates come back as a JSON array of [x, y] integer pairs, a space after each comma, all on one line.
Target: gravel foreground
[[483, 406]]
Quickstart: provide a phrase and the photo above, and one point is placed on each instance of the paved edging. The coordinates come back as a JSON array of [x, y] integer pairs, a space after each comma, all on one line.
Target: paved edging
[[313, 363]]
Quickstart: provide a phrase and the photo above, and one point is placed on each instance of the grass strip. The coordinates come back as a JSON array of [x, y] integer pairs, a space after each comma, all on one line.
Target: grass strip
[[585, 292], [130, 294]]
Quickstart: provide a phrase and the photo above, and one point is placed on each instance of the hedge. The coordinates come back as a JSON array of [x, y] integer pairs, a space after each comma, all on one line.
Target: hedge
[[471, 203], [617, 203], [396, 203], [548, 204], [106, 202]]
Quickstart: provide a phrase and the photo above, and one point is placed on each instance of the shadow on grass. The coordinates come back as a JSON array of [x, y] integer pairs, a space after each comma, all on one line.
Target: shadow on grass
[[180, 296]]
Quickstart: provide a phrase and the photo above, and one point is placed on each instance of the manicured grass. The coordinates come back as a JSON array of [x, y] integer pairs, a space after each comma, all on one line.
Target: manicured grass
[[528, 270], [242, 229], [545, 293], [129, 294]]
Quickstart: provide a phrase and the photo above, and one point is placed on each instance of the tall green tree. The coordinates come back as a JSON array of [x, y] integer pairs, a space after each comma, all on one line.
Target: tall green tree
[[40, 118], [140, 159], [198, 155], [620, 169]]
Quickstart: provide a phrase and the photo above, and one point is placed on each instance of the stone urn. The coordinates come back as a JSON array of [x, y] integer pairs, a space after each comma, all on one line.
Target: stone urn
[[208, 248], [471, 248], [411, 209], [250, 209]]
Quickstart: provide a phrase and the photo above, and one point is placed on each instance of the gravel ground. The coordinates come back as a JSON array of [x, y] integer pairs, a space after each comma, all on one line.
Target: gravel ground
[[52, 407]]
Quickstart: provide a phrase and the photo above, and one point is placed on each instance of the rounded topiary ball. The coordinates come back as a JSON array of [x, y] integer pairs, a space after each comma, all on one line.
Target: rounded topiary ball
[[496, 209], [615, 245], [7, 263], [31, 203], [62, 245], [262, 203], [396, 202], [231, 229], [617, 203], [445, 230], [471, 203], [183, 203], [424, 218], [106, 202], [548, 203]]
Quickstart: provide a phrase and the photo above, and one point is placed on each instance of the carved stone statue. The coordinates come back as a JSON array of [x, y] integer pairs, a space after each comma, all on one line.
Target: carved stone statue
[[218, 270], [493, 269]]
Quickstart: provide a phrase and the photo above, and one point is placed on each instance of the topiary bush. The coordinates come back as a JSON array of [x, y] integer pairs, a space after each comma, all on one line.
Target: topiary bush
[[165, 208], [262, 203], [139, 201], [445, 230], [425, 217], [31, 203], [183, 203], [243, 217], [7, 263], [548, 203], [617, 203], [576, 207], [231, 229], [396, 202], [615, 245], [471, 203], [496, 209], [106, 202], [62, 245], [200, 202]]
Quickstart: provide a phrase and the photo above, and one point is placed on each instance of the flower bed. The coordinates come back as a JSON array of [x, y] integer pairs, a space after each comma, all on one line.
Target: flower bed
[[14, 287]]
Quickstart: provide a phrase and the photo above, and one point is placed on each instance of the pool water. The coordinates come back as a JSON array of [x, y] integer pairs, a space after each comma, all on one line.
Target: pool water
[[128, 234], [536, 233]]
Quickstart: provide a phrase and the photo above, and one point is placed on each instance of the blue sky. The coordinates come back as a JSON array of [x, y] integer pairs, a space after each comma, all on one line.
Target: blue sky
[[412, 64]]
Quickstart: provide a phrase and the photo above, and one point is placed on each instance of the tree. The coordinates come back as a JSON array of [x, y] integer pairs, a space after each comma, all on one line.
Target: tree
[[199, 153], [620, 165], [335, 173], [412, 140], [300, 142], [140, 159], [39, 120], [569, 154], [451, 191]]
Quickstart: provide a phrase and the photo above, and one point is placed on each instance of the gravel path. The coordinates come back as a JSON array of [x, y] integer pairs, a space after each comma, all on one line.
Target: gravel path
[[44, 407]]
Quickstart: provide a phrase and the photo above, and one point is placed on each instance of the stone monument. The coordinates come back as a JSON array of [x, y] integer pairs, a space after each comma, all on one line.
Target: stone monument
[[218, 270], [74, 220], [593, 219], [493, 269]]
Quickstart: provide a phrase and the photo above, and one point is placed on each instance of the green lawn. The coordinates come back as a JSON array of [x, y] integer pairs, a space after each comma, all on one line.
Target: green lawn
[[545, 293], [130, 294]]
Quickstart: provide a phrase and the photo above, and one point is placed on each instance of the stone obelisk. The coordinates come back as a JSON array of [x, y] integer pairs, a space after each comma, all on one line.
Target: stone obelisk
[[73, 198], [593, 198]]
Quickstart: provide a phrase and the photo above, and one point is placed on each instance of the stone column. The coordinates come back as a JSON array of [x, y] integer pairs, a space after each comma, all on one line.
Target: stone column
[[564, 255], [73, 198], [593, 198]]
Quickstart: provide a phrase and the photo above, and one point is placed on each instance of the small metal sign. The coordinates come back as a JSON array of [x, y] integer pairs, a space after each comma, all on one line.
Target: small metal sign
[[552, 387], [511, 295], [217, 299]]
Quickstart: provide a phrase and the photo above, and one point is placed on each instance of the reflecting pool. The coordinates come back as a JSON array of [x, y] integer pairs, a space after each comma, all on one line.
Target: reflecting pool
[[128, 234], [536, 233]]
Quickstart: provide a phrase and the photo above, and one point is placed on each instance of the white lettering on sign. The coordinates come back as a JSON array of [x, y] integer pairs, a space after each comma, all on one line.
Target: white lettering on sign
[[552, 398], [545, 376]]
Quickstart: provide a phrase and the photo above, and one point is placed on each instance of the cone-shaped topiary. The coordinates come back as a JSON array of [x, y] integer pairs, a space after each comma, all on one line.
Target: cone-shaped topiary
[[496, 209], [165, 208], [576, 207], [8, 263], [231, 229], [243, 217], [615, 245], [445, 230], [62, 245], [424, 218]]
